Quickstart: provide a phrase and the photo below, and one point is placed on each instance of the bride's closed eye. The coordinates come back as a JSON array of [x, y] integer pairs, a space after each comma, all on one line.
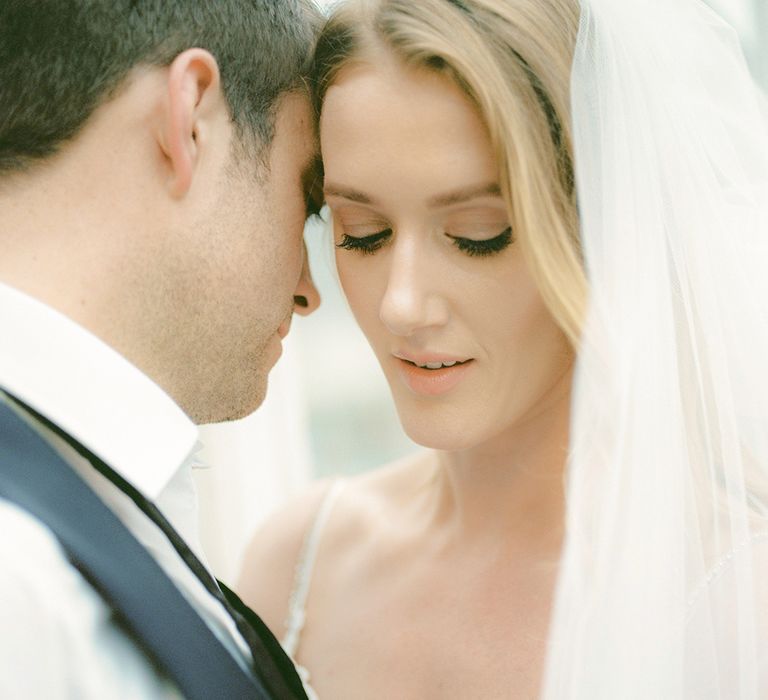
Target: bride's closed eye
[[365, 244], [473, 247], [483, 247]]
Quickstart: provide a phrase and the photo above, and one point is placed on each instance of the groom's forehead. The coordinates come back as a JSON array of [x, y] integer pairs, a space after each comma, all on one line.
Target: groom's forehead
[[296, 137]]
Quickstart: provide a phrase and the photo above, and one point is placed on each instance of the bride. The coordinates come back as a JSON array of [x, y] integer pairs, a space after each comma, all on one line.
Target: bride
[[550, 223]]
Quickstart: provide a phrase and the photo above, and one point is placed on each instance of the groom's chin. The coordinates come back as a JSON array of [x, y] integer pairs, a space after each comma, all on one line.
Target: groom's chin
[[249, 401], [234, 398]]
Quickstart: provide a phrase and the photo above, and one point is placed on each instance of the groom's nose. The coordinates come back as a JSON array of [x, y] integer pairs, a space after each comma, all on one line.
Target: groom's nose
[[306, 298]]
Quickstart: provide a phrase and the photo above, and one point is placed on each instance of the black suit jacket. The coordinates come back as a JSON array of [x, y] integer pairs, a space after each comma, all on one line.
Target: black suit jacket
[[163, 624]]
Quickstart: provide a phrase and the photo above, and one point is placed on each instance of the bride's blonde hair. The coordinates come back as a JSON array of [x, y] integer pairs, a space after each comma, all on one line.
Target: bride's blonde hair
[[513, 60]]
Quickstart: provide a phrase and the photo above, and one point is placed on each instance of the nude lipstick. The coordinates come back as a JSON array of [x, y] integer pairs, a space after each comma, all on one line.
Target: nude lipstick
[[432, 375]]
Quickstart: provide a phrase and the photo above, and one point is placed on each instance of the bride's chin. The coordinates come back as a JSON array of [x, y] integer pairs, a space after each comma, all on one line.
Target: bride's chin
[[438, 436]]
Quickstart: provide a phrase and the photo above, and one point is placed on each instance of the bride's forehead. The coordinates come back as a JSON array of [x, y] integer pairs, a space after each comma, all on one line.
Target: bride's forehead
[[376, 110], [367, 91]]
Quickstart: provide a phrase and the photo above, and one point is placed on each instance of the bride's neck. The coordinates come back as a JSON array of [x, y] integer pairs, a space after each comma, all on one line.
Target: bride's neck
[[509, 490]]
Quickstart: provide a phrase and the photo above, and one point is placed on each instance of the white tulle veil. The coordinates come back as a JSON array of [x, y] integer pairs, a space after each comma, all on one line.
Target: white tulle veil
[[663, 588]]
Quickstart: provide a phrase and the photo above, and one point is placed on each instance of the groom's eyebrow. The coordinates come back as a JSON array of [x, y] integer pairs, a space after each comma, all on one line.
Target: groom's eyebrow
[[312, 183]]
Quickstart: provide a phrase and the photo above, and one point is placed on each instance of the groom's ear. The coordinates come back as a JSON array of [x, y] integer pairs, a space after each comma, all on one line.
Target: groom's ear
[[189, 115]]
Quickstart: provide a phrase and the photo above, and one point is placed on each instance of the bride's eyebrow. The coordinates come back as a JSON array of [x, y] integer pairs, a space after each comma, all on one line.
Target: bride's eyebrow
[[349, 193], [465, 194]]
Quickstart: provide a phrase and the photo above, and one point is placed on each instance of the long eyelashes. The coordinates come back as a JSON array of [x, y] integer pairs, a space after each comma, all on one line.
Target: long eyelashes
[[370, 244], [487, 247], [366, 244]]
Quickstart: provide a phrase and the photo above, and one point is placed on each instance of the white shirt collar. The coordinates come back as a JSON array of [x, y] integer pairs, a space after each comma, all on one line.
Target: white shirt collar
[[91, 392]]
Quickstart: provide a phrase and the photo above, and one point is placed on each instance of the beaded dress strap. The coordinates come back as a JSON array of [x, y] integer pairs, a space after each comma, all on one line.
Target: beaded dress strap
[[304, 567]]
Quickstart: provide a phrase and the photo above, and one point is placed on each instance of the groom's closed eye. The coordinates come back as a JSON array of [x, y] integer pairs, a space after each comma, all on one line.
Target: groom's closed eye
[[312, 185]]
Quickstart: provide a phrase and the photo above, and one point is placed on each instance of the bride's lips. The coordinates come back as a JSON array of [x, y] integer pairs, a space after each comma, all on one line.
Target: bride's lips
[[432, 382]]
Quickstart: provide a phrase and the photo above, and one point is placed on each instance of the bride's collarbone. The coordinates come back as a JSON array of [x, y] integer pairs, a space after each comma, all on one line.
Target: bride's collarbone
[[434, 646], [392, 591], [440, 623]]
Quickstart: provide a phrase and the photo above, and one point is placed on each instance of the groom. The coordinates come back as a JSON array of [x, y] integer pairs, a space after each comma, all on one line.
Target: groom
[[156, 159]]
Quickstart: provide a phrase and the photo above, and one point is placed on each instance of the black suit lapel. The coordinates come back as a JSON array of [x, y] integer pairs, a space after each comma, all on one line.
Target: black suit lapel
[[163, 623]]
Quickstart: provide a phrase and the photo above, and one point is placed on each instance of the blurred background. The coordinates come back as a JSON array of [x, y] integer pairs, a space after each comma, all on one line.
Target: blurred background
[[328, 410]]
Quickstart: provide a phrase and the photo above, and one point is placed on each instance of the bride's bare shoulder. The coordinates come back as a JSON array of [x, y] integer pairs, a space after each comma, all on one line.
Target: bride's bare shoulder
[[269, 562], [364, 504]]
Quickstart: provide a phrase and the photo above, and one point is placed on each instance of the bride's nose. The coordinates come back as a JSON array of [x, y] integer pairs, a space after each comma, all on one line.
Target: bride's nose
[[413, 299]]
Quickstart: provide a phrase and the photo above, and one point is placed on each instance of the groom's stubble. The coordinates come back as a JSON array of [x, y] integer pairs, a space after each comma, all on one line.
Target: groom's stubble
[[231, 288]]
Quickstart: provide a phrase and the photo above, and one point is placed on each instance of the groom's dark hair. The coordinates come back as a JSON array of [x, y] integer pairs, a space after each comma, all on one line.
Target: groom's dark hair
[[61, 59]]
